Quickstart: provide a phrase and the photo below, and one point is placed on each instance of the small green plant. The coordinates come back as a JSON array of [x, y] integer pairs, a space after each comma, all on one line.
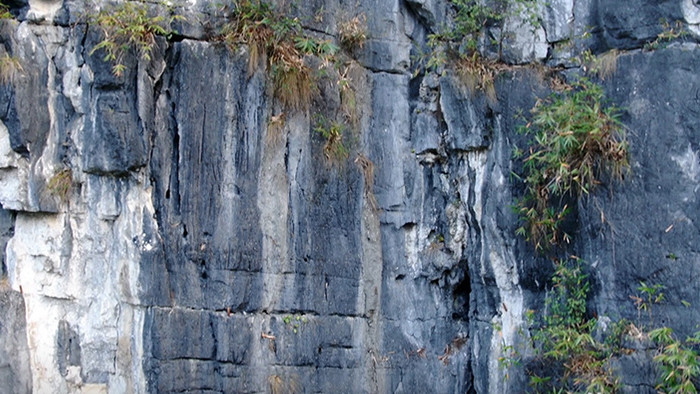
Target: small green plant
[[678, 362], [575, 138], [541, 227], [60, 183], [5, 12], [670, 32], [129, 25], [332, 131], [510, 358], [650, 295], [9, 68], [472, 17], [618, 331], [353, 32], [462, 40], [294, 322]]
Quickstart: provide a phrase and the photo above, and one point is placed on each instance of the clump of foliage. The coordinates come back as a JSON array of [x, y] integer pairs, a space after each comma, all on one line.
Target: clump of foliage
[[678, 361], [332, 131], [651, 294], [478, 74], [565, 337], [459, 45], [575, 361], [472, 17], [669, 33], [60, 183], [576, 137], [128, 25], [353, 32], [5, 12], [9, 67], [462, 40], [279, 42]]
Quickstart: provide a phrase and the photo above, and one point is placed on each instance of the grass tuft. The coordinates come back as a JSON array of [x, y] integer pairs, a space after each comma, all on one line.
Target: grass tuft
[[9, 68], [277, 42], [353, 32], [129, 25], [60, 183], [478, 75], [332, 131], [367, 167]]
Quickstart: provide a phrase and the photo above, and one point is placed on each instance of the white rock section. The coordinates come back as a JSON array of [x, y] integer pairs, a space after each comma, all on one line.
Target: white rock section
[[273, 203], [691, 14], [502, 263], [81, 267], [559, 19], [78, 268], [43, 10], [524, 41], [14, 172]]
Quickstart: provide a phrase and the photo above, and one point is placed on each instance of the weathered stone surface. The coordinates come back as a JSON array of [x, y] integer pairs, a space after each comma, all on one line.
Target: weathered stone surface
[[657, 246], [202, 247], [635, 22], [15, 370]]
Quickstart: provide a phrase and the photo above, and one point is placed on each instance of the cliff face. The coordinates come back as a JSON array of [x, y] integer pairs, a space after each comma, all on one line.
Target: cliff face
[[203, 246]]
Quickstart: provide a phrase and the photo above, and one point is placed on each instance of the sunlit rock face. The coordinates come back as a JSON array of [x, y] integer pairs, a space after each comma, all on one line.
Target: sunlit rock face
[[177, 228]]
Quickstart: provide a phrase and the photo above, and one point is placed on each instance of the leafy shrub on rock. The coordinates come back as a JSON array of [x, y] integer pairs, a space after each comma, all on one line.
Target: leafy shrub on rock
[[129, 25], [564, 340], [279, 42], [575, 138]]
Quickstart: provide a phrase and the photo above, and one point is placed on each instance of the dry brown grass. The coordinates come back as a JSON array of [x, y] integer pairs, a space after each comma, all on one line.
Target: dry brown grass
[[9, 68], [353, 32], [270, 38], [255, 35], [478, 75], [348, 97], [280, 385], [293, 79], [367, 167], [60, 184], [605, 64]]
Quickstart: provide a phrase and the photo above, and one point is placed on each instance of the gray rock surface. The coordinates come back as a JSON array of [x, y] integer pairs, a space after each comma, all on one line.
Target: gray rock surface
[[15, 370], [202, 247]]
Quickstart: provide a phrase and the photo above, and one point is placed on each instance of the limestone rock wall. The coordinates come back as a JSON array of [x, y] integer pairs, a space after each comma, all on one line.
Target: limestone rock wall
[[203, 248]]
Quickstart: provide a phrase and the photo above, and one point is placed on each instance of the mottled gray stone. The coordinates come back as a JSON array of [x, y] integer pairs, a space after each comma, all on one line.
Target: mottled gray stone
[[15, 370], [467, 125], [632, 23], [68, 345]]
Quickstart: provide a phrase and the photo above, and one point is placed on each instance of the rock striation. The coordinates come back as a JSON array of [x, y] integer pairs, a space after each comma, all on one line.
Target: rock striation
[[202, 247]]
